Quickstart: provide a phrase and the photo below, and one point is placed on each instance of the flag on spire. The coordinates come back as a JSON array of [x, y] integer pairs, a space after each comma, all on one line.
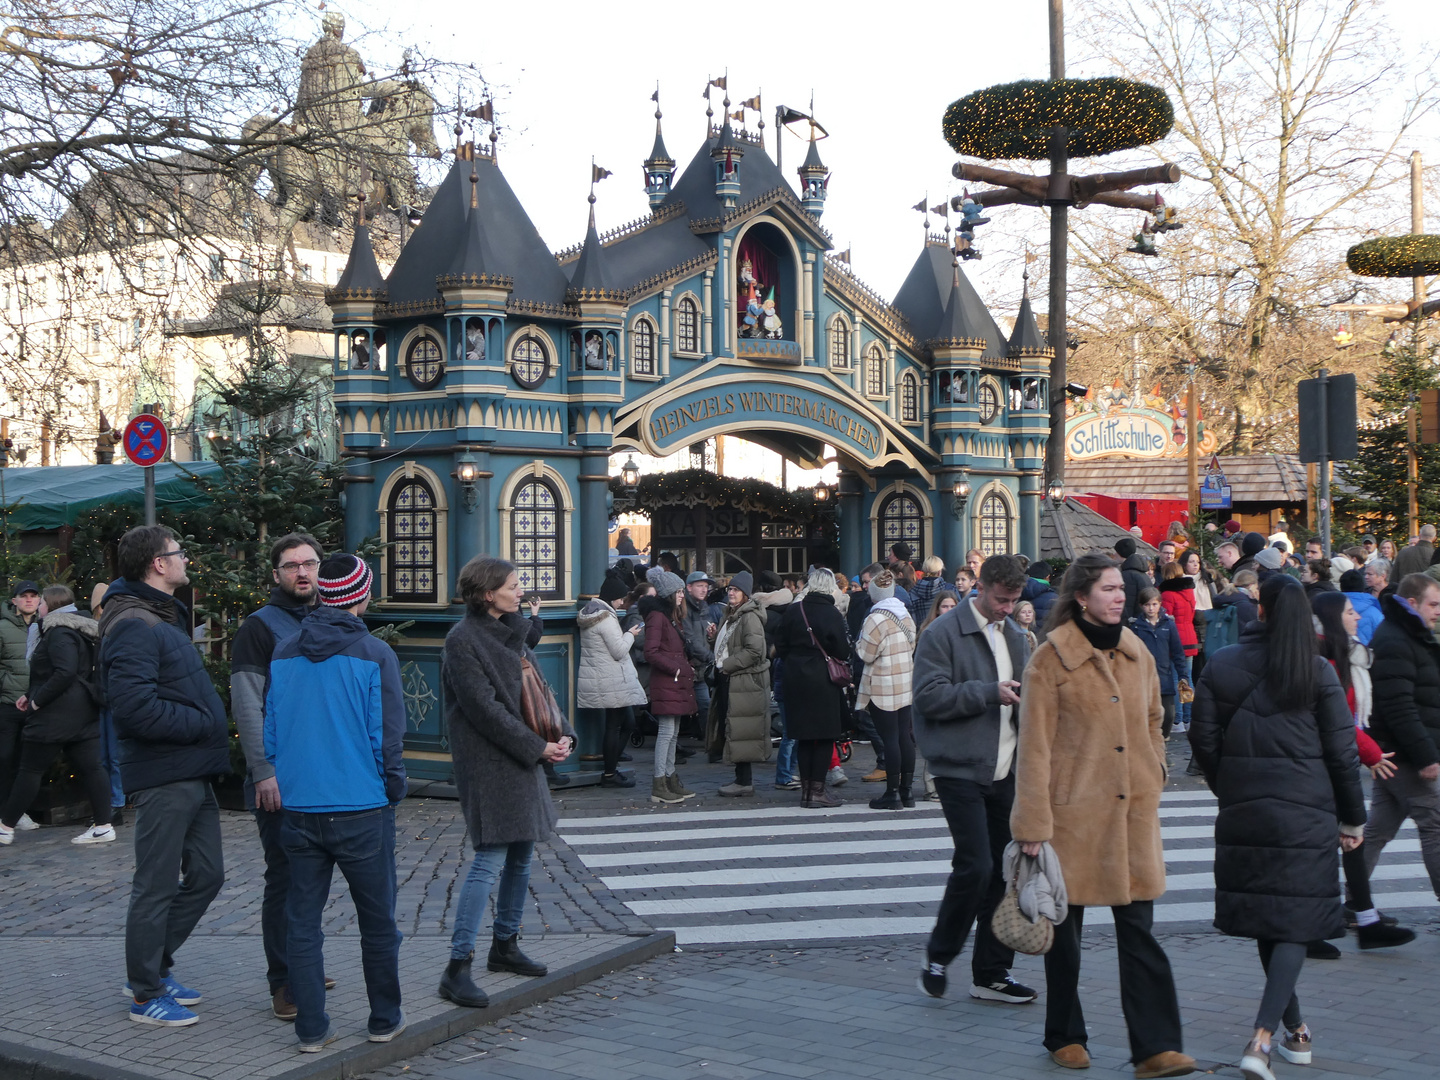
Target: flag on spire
[[597, 173], [920, 206]]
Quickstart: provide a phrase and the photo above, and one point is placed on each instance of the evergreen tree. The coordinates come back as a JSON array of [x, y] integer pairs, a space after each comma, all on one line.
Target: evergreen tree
[[1371, 493]]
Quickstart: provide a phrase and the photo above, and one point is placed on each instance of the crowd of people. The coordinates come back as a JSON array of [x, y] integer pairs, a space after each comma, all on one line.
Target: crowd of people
[[1040, 706]]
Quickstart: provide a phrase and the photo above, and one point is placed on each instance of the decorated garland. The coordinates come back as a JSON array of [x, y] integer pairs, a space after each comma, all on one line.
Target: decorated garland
[[1411, 256], [696, 487], [1013, 120]]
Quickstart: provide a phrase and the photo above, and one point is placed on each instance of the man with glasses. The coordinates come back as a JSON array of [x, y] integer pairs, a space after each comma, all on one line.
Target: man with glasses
[[294, 565], [174, 740]]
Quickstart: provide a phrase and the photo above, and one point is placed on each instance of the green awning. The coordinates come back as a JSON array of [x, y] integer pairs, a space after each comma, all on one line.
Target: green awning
[[48, 497]]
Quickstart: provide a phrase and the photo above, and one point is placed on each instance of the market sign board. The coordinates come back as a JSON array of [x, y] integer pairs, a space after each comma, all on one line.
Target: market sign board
[[1139, 433]]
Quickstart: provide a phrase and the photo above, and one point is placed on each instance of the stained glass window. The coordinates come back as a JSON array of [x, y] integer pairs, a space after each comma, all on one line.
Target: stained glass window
[[875, 372], [687, 326], [413, 557], [989, 402], [839, 343], [902, 519], [528, 363], [994, 526], [909, 399], [535, 543], [642, 347], [425, 364]]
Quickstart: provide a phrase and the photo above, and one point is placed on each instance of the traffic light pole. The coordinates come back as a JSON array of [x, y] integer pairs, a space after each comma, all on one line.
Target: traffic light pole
[[1323, 462]]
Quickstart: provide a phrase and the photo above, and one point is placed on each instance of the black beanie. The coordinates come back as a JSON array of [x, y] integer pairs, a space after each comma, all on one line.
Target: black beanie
[[1252, 544], [1125, 546], [612, 589]]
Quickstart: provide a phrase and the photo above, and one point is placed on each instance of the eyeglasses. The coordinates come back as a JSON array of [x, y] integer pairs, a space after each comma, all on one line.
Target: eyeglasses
[[296, 567], [177, 551]]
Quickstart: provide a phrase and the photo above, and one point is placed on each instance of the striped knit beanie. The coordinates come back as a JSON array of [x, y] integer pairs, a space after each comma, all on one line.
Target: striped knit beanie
[[344, 581]]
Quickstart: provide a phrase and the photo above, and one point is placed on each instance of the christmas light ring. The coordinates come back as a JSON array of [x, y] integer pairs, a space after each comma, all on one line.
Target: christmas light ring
[[1101, 116], [1416, 255]]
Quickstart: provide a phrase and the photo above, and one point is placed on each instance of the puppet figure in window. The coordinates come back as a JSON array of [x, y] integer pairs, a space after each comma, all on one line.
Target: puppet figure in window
[[360, 352], [747, 276], [474, 341], [754, 312], [960, 390], [1032, 393], [770, 320], [594, 356]]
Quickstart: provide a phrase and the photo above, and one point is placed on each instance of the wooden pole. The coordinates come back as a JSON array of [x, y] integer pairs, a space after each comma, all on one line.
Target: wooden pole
[[1192, 454], [1412, 462], [1059, 197]]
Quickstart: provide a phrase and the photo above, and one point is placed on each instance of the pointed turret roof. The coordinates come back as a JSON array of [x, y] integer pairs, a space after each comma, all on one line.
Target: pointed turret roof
[[812, 157], [361, 279], [590, 280], [658, 154], [956, 324], [1026, 339], [937, 292], [475, 260]]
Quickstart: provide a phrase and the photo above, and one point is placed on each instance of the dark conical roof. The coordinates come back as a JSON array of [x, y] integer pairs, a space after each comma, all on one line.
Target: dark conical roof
[[658, 154], [938, 297], [727, 141], [519, 252], [812, 158], [474, 258], [590, 279], [361, 278], [1026, 338]]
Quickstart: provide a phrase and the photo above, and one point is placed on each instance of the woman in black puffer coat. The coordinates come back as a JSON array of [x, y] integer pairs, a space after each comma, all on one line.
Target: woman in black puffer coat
[[815, 708], [1274, 737]]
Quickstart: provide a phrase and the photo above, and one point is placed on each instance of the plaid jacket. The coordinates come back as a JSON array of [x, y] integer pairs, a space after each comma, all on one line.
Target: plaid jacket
[[887, 647]]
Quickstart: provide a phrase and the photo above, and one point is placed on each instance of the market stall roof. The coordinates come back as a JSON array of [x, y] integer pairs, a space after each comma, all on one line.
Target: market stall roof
[[1075, 529], [48, 497], [1253, 478]]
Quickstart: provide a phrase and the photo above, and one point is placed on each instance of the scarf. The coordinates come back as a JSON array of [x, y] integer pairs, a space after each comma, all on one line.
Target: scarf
[[1103, 638]]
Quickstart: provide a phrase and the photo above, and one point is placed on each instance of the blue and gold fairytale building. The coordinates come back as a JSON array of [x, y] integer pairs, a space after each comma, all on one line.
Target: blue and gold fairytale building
[[484, 384]]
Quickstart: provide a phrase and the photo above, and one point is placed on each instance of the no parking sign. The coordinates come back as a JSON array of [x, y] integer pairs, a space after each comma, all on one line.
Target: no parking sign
[[145, 440]]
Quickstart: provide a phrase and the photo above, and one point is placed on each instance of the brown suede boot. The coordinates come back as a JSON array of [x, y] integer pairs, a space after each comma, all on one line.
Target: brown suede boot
[[822, 798]]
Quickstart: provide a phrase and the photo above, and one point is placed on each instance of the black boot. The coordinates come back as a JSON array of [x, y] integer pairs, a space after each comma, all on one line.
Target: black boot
[[457, 986], [890, 798], [907, 800], [505, 955]]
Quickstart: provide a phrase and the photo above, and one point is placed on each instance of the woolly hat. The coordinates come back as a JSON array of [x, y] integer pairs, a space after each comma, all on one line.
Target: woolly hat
[[1252, 544], [1352, 581], [1232, 527], [1270, 558], [1125, 546], [666, 584], [612, 589], [744, 582], [344, 581], [882, 586], [902, 551]]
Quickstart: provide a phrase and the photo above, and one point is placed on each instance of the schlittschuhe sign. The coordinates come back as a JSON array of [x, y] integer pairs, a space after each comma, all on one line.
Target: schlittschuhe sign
[[1134, 433]]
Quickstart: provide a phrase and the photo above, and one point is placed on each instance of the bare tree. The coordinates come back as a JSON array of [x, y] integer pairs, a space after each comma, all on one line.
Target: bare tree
[[1291, 119]]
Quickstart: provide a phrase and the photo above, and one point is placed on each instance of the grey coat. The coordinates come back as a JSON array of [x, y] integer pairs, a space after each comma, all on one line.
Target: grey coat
[[957, 694], [607, 677], [496, 756]]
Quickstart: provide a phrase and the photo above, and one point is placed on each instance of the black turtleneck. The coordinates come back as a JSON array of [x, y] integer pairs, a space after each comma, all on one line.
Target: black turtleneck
[[1101, 637]]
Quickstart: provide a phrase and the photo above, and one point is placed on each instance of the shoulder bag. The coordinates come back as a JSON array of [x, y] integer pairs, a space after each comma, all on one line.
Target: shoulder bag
[[838, 670], [538, 707]]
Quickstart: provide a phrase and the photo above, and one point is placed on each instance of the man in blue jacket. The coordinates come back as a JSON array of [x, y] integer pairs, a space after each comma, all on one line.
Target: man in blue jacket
[[334, 731], [174, 740]]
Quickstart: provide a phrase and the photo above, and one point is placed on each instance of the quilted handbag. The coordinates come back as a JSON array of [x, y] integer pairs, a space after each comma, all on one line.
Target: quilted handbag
[[1014, 931]]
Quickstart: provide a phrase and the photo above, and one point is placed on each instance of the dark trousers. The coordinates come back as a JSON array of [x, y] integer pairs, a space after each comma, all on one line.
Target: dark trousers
[[1357, 879], [179, 869], [9, 747], [1282, 961], [35, 758], [897, 732], [1167, 704], [362, 844], [273, 927], [618, 723], [1147, 985], [979, 818], [812, 757], [867, 729]]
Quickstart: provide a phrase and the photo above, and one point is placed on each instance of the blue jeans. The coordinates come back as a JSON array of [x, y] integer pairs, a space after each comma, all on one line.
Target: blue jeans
[[110, 757], [785, 761], [271, 824], [362, 844], [511, 863]]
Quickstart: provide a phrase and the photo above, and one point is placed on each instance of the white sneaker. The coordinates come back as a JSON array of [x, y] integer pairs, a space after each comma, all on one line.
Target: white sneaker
[[25, 824], [7, 834], [836, 776], [96, 834]]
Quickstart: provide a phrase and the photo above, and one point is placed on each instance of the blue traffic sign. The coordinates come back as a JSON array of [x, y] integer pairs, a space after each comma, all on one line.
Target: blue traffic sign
[[145, 440]]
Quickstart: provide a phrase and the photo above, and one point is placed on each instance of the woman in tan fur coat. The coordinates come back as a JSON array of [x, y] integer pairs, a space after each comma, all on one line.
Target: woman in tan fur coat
[[1088, 776]]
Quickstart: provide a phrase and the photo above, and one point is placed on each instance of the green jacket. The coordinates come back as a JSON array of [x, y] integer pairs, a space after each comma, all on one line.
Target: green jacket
[[14, 668], [747, 721]]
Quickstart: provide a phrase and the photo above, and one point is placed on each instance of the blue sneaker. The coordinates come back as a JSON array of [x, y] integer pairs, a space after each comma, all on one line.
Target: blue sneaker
[[162, 1012], [183, 995]]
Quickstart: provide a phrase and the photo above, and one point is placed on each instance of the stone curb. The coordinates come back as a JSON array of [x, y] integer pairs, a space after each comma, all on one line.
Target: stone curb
[[18, 1062]]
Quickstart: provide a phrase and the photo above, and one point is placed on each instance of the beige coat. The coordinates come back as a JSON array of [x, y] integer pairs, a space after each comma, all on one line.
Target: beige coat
[[1091, 766]]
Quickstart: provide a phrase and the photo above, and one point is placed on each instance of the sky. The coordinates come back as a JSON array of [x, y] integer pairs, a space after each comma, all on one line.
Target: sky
[[573, 80]]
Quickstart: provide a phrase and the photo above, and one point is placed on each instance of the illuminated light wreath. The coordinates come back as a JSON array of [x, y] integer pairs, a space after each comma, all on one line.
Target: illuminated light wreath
[[1102, 116], [1411, 256]]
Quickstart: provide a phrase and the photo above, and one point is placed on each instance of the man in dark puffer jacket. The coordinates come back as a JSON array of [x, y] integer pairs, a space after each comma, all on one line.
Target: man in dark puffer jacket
[[1406, 719], [173, 742]]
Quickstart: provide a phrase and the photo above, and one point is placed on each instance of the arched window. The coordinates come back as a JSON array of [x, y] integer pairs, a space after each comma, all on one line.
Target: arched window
[[642, 348], [528, 362], [994, 526], [839, 343], [535, 541], [687, 326], [875, 371], [902, 519], [413, 558], [909, 399]]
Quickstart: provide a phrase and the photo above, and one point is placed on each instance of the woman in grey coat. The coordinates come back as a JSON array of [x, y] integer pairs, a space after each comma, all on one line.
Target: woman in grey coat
[[498, 774]]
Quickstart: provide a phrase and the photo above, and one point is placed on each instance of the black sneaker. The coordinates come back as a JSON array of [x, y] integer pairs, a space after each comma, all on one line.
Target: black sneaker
[[932, 979], [1379, 936], [616, 779], [1321, 950], [1006, 989]]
